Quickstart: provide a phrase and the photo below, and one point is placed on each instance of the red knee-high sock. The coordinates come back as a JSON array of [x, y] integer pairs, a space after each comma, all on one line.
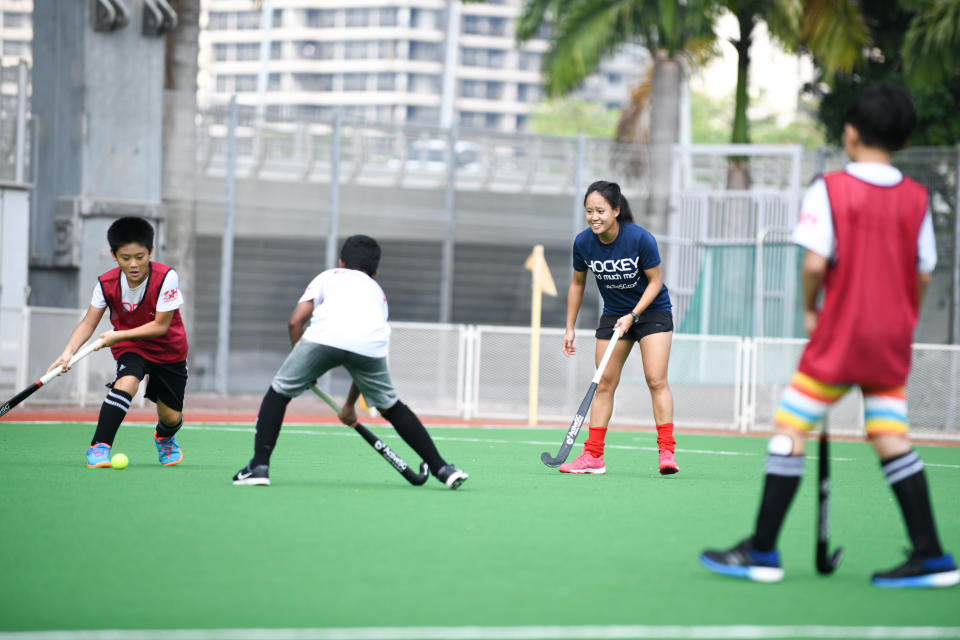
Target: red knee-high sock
[[665, 437], [594, 443]]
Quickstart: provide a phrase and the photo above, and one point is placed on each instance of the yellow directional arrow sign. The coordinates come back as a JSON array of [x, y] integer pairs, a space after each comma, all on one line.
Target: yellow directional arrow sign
[[542, 283]]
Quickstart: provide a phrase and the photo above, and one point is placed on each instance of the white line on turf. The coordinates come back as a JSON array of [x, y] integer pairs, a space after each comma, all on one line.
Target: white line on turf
[[341, 432], [624, 632]]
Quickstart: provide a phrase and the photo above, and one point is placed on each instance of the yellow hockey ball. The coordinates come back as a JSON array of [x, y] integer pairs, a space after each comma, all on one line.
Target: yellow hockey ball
[[119, 461]]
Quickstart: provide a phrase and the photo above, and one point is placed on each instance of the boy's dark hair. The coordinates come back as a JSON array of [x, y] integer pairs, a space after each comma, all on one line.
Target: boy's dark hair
[[362, 253], [130, 229], [883, 115], [611, 193]]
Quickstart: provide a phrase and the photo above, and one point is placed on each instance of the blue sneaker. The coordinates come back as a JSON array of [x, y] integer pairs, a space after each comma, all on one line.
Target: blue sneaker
[[168, 450], [743, 561], [98, 456], [919, 572]]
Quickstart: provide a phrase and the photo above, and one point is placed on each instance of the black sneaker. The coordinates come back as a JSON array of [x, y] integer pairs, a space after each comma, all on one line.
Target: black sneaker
[[258, 475], [451, 476], [921, 572], [743, 561]]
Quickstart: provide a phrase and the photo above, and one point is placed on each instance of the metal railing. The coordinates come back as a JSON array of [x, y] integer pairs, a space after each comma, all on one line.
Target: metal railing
[[481, 372]]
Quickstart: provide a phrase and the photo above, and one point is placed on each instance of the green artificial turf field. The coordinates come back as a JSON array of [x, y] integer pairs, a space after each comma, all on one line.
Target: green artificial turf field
[[341, 540]]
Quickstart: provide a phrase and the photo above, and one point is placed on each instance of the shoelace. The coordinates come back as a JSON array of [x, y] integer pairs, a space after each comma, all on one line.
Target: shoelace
[[166, 445]]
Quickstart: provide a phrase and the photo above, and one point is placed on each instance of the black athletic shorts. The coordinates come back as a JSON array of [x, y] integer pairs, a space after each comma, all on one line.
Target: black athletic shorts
[[650, 322], [167, 382]]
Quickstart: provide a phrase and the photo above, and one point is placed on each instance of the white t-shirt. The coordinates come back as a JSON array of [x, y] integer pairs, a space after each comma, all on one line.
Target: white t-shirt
[[814, 231], [170, 296], [349, 312]]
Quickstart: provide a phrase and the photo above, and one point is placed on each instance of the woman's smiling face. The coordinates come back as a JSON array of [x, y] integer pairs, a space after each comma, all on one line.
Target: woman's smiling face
[[601, 217]]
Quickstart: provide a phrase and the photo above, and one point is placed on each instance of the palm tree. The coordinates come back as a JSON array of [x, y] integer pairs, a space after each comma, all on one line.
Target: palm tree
[[931, 46], [585, 31]]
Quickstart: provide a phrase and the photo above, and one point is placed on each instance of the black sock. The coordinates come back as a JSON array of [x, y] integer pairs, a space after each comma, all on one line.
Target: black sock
[[269, 420], [163, 431], [112, 412], [909, 483], [413, 432], [779, 489]]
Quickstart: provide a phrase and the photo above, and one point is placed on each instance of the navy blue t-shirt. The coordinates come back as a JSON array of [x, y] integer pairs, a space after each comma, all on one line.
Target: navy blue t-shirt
[[618, 267]]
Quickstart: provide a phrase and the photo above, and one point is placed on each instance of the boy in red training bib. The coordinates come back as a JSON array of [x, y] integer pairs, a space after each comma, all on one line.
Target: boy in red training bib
[[147, 338], [870, 246]]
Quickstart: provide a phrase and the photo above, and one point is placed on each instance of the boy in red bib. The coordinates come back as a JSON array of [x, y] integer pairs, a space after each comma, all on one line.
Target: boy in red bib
[[868, 233], [148, 337]]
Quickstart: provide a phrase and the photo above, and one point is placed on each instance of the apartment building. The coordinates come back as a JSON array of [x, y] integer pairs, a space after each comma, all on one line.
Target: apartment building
[[431, 62], [16, 31]]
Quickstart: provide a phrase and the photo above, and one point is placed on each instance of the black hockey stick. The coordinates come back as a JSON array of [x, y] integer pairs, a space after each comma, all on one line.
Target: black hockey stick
[[47, 377], [578, 419], [826, 563], [395, 461]]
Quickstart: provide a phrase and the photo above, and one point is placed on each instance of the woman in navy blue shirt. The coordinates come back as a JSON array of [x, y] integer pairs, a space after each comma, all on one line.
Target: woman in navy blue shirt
[[625, 261]]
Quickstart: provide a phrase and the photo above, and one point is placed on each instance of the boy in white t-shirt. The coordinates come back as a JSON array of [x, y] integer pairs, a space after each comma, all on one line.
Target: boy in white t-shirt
[[347, 312]]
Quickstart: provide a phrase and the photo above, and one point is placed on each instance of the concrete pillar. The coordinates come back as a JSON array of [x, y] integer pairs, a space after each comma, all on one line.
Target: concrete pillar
[[179, 185], [98, 112]]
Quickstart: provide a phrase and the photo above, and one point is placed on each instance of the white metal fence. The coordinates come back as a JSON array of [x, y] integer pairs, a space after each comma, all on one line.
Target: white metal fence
[[475, 371]]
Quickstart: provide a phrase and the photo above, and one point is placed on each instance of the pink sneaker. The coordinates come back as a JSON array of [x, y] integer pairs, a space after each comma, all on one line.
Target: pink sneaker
[[667, 463], [585, 463]]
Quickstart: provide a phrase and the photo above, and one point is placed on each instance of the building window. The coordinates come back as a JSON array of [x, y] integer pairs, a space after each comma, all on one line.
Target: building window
[[277, 18], [485, 25], [219, 20], [16, 48], [425, 19], [387, 49], [522, 122], [492, 58], [423, 115], [388, 17], [354, 112], [274, 82], [386, 81], [16, 20], [354, 82], [321, 18], [470, 89], [492, 120], [248, 51], [424, 51], [223, 84], [221, 52], [315, 50], [248, 20], [423, 83], [358, 17], [384, 113], [529, 61], [471, 120], [355, 50], [529, 92], [276, 50], [245, 82], [313, 81]]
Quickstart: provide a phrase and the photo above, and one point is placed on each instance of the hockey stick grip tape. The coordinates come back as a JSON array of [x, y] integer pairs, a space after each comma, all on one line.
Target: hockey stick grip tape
[[77, 357]]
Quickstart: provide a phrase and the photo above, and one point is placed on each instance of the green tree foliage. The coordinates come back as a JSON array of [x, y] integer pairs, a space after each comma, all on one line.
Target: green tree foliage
[[569, 117], [710, 124], [896, 31]]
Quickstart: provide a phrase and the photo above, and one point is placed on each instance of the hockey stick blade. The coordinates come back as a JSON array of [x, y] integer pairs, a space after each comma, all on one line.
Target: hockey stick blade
[[395, 461], [381, 447], [826, 562], [578, 419], [571, 437]]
